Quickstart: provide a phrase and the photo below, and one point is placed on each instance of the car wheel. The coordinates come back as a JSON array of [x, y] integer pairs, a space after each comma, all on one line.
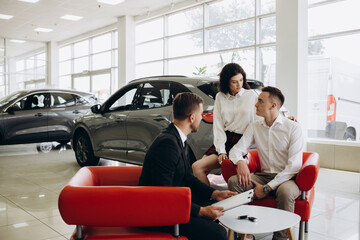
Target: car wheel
[[84, 152], [45, 147]]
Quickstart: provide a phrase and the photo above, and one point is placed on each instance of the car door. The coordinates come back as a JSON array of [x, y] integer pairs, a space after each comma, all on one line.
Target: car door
[[152, 115], [27, 121], [63, 110], [109, 135]]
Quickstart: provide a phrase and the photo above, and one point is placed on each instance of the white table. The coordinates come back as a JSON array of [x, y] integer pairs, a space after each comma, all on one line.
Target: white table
[[268, 220]]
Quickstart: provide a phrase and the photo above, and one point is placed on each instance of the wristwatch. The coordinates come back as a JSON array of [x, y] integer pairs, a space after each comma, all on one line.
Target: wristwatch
[[266, 189]]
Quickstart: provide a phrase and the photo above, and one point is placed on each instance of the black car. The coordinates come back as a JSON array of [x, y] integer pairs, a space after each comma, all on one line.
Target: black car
[[44, 115], [126, 124]]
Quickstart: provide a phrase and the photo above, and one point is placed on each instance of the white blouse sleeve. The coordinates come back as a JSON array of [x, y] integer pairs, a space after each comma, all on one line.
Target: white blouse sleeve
[[218, 126]]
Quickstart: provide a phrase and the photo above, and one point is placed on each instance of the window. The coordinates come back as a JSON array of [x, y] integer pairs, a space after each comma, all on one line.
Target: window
[[80, 63], [101, 43], [149, 30], [65, 53], [185, 21], [207, 37], [185, 45], [61, 100], [101, 61], [81, 48], [331, 21], [230, 11], [32, 102], [125, 100], [334, 70], [232, 36], [267, 30], [154, 95], [80, 100], [150, 51]]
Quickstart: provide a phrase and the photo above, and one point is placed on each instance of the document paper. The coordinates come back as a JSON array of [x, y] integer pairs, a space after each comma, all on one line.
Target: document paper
[[237, 200]]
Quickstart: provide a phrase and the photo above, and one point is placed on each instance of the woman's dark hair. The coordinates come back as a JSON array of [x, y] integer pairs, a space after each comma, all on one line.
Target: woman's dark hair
[[228, 71]]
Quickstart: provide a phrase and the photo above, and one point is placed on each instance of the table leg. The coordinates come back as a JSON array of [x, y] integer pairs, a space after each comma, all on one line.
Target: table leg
[[243, 236], [230, 233], [290, 235]]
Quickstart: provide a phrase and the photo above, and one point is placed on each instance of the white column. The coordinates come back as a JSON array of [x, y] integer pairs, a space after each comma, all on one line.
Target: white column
[[291, 55], [126, 50], [13, 86], [52, 64]]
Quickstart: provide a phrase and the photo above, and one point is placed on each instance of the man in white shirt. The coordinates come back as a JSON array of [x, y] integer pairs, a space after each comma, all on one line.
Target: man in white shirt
[[280, 144]]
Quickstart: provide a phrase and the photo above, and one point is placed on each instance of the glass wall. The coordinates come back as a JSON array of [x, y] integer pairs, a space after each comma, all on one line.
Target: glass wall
[[202, 39], [22, 65], [3, 79], [334, 70], [90, 64]]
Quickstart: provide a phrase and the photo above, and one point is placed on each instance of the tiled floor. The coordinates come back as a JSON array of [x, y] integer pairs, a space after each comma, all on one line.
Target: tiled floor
[[30, 181]]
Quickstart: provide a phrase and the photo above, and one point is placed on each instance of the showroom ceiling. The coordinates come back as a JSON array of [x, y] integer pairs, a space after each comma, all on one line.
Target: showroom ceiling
[[47, 14]]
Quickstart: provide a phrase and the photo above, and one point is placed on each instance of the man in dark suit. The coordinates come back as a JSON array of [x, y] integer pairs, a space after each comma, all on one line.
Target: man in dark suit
[[167, 163]]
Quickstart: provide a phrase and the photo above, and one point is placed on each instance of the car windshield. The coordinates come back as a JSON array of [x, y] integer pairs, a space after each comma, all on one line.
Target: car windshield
[[5, 100]]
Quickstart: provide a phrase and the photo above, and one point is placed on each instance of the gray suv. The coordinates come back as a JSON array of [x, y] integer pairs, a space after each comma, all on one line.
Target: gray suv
[[41, 115], [126, 124]]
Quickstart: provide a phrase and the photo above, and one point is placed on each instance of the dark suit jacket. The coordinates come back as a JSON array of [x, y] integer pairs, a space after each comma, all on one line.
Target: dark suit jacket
[[167, 164]]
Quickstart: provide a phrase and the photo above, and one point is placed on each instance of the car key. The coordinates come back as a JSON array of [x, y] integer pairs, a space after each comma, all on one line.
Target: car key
[[253, 219]]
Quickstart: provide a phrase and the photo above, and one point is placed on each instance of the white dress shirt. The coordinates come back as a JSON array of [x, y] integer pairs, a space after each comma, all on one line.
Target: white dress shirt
[[182, 135], [233, 113], [280, 148]]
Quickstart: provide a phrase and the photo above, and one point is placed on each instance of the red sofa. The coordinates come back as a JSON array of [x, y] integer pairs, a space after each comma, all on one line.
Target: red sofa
[[106, 203], [305, 179]]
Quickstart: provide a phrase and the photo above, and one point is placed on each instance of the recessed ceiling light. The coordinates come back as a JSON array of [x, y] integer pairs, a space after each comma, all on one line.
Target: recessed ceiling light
[[111, 2], [6, 17], [17, 41], [29, 1], [71, 17], [43, 30]]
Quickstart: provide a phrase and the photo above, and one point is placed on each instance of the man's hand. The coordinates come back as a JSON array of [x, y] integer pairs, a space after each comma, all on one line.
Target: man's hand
[[243, 173], [259, 193], [221, 157], [211, 212], [221, 195]]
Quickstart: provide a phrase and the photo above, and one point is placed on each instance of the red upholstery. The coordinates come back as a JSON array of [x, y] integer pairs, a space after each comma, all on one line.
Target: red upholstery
[[108, 202], [305, 179]]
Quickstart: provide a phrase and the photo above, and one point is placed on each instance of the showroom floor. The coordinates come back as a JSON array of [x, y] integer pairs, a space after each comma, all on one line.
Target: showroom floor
[[31, 177]]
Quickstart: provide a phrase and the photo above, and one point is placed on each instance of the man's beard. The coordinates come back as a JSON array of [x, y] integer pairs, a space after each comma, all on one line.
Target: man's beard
[[194, 128]]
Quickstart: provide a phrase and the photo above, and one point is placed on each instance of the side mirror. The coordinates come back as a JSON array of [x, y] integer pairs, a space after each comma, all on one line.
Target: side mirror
[[96, 108]]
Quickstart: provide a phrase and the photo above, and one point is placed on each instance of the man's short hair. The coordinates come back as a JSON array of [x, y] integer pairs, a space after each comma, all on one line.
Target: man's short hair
[[275, 94], [185, 104]]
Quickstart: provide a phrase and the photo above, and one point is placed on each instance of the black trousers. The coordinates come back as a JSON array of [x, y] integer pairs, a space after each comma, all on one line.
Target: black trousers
[[199, 228]]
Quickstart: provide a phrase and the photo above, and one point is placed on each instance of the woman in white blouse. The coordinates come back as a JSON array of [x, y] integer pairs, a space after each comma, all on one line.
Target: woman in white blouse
[[234, 109]]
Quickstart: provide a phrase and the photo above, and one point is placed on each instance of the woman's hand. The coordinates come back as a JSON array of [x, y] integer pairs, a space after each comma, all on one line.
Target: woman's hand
[[221, 157]]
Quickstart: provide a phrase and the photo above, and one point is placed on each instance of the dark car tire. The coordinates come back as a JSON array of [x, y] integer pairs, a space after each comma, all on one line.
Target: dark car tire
[[84, 152]]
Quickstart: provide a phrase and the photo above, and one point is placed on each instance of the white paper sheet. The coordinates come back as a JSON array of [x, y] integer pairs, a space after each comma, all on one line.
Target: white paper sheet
[[237, 200]]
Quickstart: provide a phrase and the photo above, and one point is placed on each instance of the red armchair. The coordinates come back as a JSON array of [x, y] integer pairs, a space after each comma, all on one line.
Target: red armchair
[[106, 203], [305, 179]]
